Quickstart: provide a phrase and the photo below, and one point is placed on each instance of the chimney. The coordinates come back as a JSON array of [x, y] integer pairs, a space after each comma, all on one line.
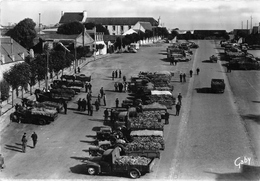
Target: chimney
[[85, 14]]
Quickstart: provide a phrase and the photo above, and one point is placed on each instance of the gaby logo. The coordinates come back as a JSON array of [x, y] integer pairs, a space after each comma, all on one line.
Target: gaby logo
[[242, 160]]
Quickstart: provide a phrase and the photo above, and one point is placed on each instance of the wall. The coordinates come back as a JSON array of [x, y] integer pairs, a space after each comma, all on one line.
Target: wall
[[117, 29]]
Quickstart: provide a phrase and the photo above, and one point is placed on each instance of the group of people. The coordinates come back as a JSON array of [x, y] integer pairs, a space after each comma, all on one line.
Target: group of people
[[173, 61], [116, 73], [183, 75], [24, 141]]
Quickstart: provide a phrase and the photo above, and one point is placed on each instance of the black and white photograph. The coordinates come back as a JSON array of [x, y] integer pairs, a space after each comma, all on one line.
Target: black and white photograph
[[165, 90]]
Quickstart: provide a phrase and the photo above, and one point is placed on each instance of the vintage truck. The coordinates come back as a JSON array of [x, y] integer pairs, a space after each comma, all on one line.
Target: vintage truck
[[33, 115], [112, 162], [217, 85]]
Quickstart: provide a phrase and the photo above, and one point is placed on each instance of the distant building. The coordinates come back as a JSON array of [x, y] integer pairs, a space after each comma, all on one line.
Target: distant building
[[68, 17], [11, 53], [210, 33], [142, 26], [238, 31], [119, 25]]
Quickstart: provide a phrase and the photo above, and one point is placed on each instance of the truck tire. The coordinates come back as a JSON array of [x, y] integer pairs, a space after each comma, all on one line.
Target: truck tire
[[134, 173], [92, 171], [41, 122]]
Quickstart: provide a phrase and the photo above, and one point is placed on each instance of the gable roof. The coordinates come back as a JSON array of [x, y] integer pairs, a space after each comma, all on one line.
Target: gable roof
[[71, 17], [146, 25], [55, 36], [121, 20], [7, 50]]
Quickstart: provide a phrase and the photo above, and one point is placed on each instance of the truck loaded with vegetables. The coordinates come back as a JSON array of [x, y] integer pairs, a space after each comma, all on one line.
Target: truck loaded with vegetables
[[112, 162], [34, 115]]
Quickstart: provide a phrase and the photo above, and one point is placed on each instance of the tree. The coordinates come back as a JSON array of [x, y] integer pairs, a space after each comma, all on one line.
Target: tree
[[18, 75], [4, 89], [99, 28], [33, 70], [174, 33], [72, 28], [24, 33]]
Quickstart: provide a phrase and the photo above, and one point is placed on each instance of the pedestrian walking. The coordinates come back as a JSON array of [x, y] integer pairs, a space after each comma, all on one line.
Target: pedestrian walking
[[97, 105], [99, 99], [65, 106], [24, 142], [117, 102], [180, 77], [124, 78], [90, 87], [120, 87], [2, 162], [101, 92], [34, 137], [116, 86], [184, 77], [113, 75], [178, 108], [166, 117], [191, 72], [84, 105], [106, 114], [104, 99], [91, 110], [120, 73], [79, 104], [198, 71], [179, 98], [78, 70]]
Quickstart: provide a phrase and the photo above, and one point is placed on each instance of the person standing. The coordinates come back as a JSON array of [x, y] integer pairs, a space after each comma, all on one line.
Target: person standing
[[91, 109], [97, 105], [116, 86], [120, 73], [34, 137], [166, 117], [78, 70], [178, 108], [86, 87], [84, 105], [101, 92], [191, 72], [2, 162], [79, 104], [180, 77], [184, 77], [90, 87], [24, 142], [65, 107], [179, 98], [198, 71], [124, 78], [113, 74], [99, 99], [104, 99], [106, 114], [117, 102]]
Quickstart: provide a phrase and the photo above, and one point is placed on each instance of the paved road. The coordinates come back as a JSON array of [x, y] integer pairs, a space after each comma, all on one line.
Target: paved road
[[207, 137]]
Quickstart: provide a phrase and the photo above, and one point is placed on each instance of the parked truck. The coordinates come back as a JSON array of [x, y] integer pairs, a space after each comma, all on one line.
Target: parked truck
[[217, 85], [112, 162], [39, 116]]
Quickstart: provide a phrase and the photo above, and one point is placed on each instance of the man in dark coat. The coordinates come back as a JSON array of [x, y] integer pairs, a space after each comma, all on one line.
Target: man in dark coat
[[84, 105], [179, 98], [198, 71], [90, 87], [97, 105], [79, 104], [166, 117], [124, 78], [113, 75], [24, 142], [184, 77], [106, 114], [191, 72], [120, 73], [178, 108], [65, 107], [34, 139], [117, 102], [101, 92], [180, 77], [86, 87], [91, 110]]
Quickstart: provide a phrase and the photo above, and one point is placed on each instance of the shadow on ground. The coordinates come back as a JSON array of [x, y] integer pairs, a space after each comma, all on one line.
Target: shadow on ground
[[256, 101], [13, 148], [208, 61], [247, 172], [97, 128], [203, 90], [253, 117], [165, 59], [89, 142]]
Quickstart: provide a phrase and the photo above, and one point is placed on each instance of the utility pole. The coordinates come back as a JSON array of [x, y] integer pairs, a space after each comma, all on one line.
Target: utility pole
[[39, 23], [95, 46]]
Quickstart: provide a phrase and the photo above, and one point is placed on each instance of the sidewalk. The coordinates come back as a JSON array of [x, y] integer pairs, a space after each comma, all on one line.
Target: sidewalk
[[7, 109]]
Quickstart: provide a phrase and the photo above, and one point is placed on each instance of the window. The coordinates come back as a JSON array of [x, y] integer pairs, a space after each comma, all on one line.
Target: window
[[114, 28], [122, 28]]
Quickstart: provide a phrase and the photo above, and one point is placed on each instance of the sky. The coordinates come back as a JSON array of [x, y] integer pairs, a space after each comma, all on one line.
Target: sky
[[182, 14]]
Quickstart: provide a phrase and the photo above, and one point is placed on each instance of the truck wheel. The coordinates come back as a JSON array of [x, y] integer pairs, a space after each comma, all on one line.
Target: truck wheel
[[91, 171], [41, 122], [134, 173]]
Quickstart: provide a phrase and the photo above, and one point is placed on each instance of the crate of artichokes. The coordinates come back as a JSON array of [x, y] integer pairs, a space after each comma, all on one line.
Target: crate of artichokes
[[132, 160]]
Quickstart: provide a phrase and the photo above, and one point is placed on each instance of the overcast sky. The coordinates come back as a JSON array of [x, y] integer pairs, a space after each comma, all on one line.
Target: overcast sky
[[182, 14]]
